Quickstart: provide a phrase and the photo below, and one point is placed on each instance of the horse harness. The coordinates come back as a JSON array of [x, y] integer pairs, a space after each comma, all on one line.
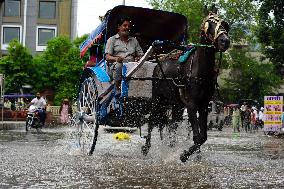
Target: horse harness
[[181, 82]]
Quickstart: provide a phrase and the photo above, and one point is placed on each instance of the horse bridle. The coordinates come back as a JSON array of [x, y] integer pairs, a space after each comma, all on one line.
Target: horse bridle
[[219, 29]]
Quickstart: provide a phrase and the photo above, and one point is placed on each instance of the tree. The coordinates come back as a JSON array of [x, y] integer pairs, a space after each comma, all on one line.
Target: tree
[[193, 11], [239, 14], [62, 67], [17, 67], [58, 68], [271, 30], [241, 17], [249, 78]]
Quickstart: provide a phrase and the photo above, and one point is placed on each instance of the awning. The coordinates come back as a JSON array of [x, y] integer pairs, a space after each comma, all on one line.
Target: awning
[[94, 37]]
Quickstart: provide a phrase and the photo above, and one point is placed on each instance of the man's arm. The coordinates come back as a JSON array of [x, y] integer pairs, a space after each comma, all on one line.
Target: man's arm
[[111, 59], [31, 103], [109, 52], [138, 50]]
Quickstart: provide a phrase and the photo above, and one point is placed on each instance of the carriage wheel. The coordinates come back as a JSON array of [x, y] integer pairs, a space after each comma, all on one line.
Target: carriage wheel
[[88, 125]]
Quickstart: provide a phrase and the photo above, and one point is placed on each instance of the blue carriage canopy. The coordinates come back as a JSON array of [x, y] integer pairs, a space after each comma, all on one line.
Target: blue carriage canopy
[[148, 25]]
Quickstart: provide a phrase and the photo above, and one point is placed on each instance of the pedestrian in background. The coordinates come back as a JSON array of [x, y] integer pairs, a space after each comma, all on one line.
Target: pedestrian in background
[[253, 119], [226, 115], [247, 118], [7, 103], [261, 117], [243, 109], [65, 110], [256, 118], [236, 119]]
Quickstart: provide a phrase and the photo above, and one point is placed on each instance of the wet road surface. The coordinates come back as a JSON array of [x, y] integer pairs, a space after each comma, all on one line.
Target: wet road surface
[[52, 160]]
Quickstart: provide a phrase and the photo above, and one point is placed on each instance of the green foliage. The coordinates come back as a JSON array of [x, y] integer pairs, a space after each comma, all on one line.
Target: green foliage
[[249, 78], [79, 40], [17, 67], [62, 66], [193, 11], [271, 30], [239, 14], [58, 68]]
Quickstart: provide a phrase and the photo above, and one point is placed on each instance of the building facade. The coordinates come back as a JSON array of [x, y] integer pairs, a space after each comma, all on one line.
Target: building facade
[[34, 22]]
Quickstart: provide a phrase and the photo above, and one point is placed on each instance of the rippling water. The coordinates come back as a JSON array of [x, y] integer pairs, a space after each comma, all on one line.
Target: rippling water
[[52, 160]]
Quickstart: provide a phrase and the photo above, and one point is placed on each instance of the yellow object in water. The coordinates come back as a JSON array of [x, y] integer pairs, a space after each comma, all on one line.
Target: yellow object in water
[[121, 136]]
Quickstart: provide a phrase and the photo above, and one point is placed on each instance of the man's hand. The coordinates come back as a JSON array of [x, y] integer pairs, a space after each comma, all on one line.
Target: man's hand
[[136, 59], [119, 59]]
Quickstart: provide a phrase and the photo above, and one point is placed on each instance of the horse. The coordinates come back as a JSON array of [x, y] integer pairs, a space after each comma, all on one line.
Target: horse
[[197, 81]]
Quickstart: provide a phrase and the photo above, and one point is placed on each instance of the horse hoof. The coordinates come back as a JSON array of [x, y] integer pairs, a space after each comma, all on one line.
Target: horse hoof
[[198, 157], [184, 156], [90, 153], [145, 150]]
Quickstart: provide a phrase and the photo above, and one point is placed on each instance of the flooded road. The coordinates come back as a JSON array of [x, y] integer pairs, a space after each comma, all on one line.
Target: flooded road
[[52, 160]]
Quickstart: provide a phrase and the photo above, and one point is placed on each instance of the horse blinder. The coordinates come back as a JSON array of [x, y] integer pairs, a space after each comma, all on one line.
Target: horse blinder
[[221, 27]]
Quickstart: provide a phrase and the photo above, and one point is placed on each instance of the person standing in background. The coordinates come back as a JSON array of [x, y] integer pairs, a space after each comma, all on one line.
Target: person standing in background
[[65, 110], [247, 118], [7, 103], [236, 120], [261, 117]]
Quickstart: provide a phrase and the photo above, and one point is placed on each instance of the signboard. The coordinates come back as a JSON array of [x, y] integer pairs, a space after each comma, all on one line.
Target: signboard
[[273, 108]]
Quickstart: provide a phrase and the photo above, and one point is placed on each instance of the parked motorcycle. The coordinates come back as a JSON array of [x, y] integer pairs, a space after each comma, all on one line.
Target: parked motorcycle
[[33, 120]]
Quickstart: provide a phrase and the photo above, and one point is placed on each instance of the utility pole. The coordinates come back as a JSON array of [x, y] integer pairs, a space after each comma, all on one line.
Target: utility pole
[[2, 79], [123, 2]]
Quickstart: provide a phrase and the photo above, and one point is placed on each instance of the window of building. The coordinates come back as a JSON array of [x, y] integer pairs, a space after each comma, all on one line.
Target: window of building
[[12, 8], [9, 33], [43, 35], [47, 9]]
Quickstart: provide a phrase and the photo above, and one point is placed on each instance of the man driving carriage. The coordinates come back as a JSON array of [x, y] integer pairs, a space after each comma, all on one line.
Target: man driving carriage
[[121, 48]]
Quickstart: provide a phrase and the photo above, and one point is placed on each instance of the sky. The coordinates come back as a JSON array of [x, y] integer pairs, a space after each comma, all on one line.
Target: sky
[[90, 10]]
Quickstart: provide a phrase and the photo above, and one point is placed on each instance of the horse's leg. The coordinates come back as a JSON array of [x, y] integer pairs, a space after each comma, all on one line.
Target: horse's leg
[[203, 113], [192, 111], [177, 116], [199, 127], [161, 118], [154, 120], [145, 148]]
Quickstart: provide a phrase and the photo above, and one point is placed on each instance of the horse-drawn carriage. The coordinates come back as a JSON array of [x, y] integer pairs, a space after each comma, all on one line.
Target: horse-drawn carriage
[[157, 86]]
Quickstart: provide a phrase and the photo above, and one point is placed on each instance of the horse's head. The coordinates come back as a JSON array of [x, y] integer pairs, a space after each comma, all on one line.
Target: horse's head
[[215, 31]]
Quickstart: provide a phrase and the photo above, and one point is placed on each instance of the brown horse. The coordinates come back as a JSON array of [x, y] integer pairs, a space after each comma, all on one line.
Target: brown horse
[[197, 78]]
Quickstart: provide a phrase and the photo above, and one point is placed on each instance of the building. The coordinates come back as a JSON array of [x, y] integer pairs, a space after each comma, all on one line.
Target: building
[[34, 22]]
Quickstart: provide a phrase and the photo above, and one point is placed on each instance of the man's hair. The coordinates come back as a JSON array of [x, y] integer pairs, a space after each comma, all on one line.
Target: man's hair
[[123, 19]]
